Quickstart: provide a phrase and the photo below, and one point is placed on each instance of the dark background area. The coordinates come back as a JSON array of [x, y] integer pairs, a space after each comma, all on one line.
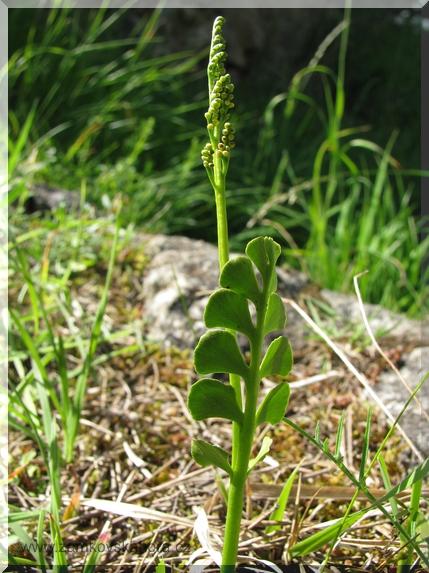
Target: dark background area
[[267, 47]]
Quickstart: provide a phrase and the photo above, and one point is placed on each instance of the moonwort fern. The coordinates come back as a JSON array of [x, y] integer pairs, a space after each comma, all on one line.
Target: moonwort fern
[[227, 313]]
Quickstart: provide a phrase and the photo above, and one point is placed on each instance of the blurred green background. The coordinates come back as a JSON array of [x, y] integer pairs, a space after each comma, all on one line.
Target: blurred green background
[[327, 123]]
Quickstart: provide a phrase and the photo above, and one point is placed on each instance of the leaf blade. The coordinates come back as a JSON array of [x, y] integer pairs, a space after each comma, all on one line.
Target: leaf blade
[[263, 452], [228, 309], [274, 405], [275, 318], [217, 351], [264, 252], [209, 398], [207, 454], [238, 275], [278, 358]]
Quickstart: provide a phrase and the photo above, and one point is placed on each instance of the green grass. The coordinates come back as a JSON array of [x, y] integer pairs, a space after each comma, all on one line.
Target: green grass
[[36, 334], [124, 124], [354, 205], [56, 347], [91, 100]]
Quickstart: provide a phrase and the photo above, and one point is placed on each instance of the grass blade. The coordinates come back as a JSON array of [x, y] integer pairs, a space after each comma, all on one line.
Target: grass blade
[[95, 554], [73, 417], [60, 560], [365, 448], [62, 373], [283, 498], [318, 540], [18, 147], [338, 438], [40, 553], [38, 367]]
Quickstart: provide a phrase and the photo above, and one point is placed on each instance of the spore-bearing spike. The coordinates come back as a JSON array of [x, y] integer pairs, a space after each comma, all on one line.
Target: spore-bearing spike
[[220, 96]]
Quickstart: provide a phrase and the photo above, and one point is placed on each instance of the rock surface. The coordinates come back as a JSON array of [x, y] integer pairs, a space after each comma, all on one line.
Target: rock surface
[[46, 198], [395, 395], [387, 326], [183, 273]]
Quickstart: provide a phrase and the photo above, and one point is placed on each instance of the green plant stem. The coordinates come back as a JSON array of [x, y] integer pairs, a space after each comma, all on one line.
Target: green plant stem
[[243, 446], [219, 188], [236, 496], [222, 223], [222, 229], [243, 450], [242, 439]]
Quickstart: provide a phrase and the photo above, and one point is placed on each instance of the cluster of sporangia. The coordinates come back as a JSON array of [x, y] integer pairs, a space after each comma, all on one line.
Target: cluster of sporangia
[[221, 96]]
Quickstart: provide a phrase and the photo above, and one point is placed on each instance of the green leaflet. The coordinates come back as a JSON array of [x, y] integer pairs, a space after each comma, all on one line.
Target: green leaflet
[[278, 358], [265, 448], [217, 351], [238, 275], [206, 454], [210, 398], [273, 407], [264, 252], [229, 309], [275, 318]]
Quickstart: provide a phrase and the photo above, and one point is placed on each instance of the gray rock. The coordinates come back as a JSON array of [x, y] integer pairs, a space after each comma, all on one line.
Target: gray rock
[[176, 287], [46, 198], [394, 396], [387, 326], [392, 330]]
